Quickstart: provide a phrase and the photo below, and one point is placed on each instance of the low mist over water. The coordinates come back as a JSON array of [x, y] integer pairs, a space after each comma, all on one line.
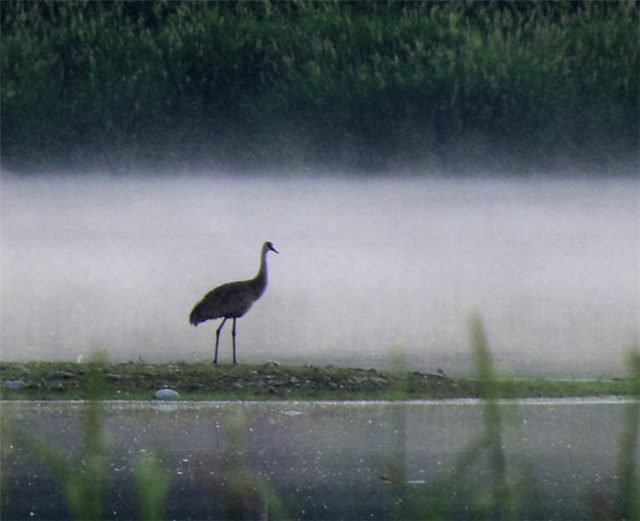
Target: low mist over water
[[369, 270]]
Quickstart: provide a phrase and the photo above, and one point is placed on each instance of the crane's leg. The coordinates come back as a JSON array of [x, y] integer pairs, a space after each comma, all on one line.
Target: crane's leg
[[233, 334], [215, 360]]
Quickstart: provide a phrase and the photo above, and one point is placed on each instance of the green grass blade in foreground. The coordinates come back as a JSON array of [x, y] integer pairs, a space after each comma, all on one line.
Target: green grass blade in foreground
[[247, 494], [503, 506], [84, 480], [441, 499], [629, 484], [153, 483]]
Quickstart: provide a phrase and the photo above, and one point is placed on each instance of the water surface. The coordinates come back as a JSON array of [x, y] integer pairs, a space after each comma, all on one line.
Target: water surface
[[323, 460]]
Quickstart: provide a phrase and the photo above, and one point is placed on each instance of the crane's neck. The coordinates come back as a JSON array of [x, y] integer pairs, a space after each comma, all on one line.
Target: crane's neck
[[259, 283]]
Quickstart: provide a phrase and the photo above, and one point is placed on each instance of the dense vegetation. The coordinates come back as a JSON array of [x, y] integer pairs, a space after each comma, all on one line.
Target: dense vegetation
[[417, 86]]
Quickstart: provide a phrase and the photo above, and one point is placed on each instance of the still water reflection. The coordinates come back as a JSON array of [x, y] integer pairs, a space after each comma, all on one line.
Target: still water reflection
[[321, 460]]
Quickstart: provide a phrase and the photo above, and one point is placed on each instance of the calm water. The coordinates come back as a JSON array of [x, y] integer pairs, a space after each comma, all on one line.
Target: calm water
[[323, 460], [368, 269]]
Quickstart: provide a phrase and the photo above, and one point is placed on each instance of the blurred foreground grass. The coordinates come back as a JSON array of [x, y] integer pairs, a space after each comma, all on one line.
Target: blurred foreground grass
[[511, 488]]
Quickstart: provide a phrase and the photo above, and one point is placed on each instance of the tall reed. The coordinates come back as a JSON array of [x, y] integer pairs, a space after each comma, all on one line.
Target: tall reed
[[502, 496], [628, 500]]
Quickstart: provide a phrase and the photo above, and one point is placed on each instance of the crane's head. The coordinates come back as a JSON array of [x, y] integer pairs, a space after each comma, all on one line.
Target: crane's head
[[268, 246]]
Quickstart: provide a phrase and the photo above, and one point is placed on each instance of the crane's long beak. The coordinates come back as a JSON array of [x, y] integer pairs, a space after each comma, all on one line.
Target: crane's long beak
[[269, 246]]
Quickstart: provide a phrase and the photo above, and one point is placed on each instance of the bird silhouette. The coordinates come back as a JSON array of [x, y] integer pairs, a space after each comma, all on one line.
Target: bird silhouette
[[232, 300]]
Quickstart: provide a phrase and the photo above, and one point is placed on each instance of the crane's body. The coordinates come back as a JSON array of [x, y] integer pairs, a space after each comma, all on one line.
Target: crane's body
[[232, 300]]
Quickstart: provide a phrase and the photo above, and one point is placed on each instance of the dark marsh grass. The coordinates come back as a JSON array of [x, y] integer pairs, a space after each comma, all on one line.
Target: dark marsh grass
[[516, 86]]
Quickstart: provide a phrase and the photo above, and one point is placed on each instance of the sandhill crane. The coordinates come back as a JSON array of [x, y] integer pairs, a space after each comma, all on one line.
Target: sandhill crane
[[232, 300]]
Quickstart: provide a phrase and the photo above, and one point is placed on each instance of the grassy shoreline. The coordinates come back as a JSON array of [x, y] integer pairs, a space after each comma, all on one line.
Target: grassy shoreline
[[270, 381]]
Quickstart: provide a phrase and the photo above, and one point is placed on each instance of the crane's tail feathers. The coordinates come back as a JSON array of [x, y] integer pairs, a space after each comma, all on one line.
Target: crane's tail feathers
[[196, 316], [202, 312]]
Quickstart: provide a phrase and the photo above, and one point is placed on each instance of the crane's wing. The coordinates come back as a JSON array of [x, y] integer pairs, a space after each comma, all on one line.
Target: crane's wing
[[230, 300]]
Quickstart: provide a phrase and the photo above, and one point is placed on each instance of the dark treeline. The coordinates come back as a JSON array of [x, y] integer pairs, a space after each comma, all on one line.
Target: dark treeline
[[512, 86]]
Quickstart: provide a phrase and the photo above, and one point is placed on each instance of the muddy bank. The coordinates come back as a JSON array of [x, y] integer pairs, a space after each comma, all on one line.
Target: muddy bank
[[204, 381]]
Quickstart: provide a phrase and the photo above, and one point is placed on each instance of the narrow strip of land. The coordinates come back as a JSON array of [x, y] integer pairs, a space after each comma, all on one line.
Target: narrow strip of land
[[269, 381]]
